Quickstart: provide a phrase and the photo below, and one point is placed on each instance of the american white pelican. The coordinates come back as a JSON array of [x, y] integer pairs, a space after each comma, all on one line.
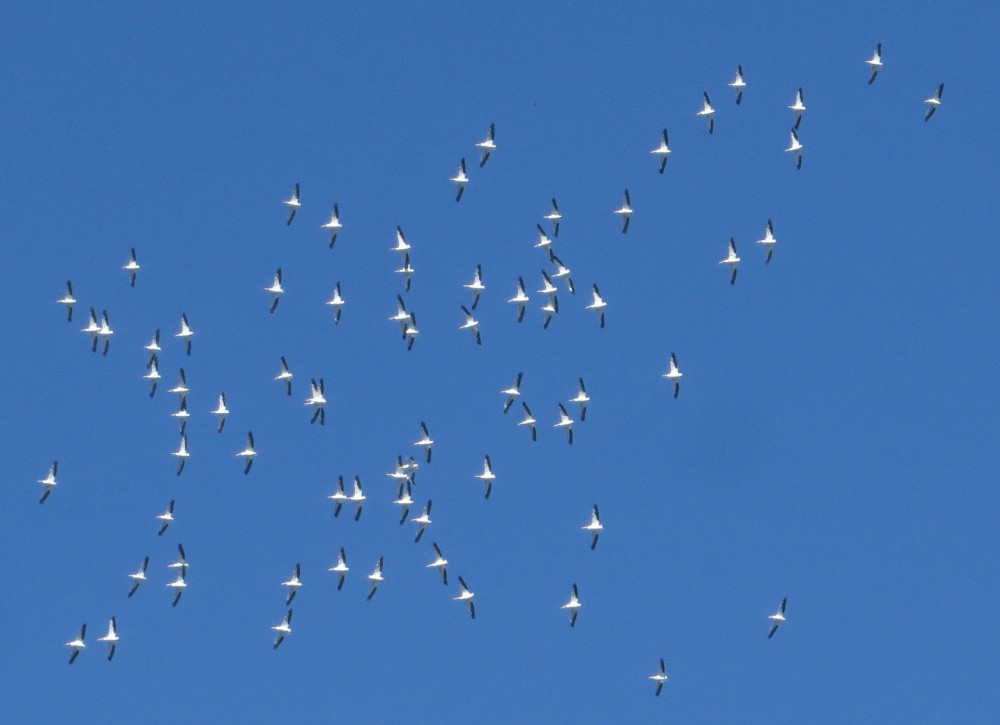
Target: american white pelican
[[660, 677], [799, 107], [674, 375], [317, 399], [152, 374], [410, 330], [543, 239], [105, 331], [439, 563], [285, 376], [795, 146], [401, 246], [625, 211], [738, 84], [182, 454], [154, 344], [285, 628], [423, 520], [165, 518], [407, 271], [768, 241], [582, 399], [77, 644], [179, 585], [401, 473], [599, 305], [466, 596], [339, 496], [663, 151], [222, 411], [293, 204], [488, 145], [425, 441], [248, 453], [138, 577], [875, 63], [182, 415], [276, 290], [529, 420], [68, 301], [376, 578], [181, 388], [337, 302], [461, 179], [293, 584], [93, 328], [471, 324], [477, 285], [401, 316], [111, 638], [514, 391], [333, 225], [554, 216], [186, 333], [357, 497], [182, 562], [594, 527], [487, 476], [562, 272], [565, 422], [132, 266], [934, 102], [777, 618], [573, 605], [405, 500], [732, 259], [49, 481], [340, 568], [520, 299], [708, 113]]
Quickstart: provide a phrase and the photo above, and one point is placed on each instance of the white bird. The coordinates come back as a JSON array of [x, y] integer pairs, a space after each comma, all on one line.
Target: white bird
[[293, 584], [425, 441], [407, 271], [138, 577], [663, 151], [514, 391], [439, 563], [562, 272], [768, 241], [333, 225], [401, 246], [471, 324], [376, 578], [795, 146], [875, 63], [68, 300], [477, 285], [708, 113], [599, 305], [152, 374], [182, 415], [488, 145], [529, 420], [674, 375], [487, 476], [423, 520], [341, 568], [285, 376], [543, 239], [77, 644], [625, 211], [285, 628], [520, 299], [466, 596], [132, 266], [248, 453], [105, 331], [317, 399], [276, 290], [410, 330], [222, 411], [573, 605], [181, 388], [166, 518], [337, 302], [293, 204], [594, 527], [182, 454], [179, 585], [777, 618], [111, 638], [799, 107], [549, 308], [186, 332], [732, 259], [582, 399], [461, 178], [400, 474], [549, 289], [405, 500], [339, 496], [565, 422], [154, 344], [738, 84], [660, 677], [401, 316], [93, 328], [934, 102], [554, 216], [49, 481], [182, 562], [357, 497]]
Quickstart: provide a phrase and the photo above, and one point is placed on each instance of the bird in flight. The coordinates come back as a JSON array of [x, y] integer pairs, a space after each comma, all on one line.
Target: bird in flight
[[222, 411], [573, 605], [182, 454], [333, 225], [799, 107], [132, 266], [93, 328], [466, 596], [471, 324], [293, 584], [439, 563], [105, 331], [594, 527], [582, 399], [487, 476], [738, 84], [934, 102], [293, 204], [248, 453], [529, 420], [317, 399], [285, 628], [376, 578], [285, 376], [337, 302], [520, 299], [777, 618], [68, 301], [186, 333], [358, 498], [768, 241], [674, 375], [166, 518], [181, 388], [179, 585], [660, 677], [514, 391], [488, 145], [49, 481], [875, 63], [476, 285], [461, 179], [554, 216], [138, 577], [565, 422], [795, 146], [276, 290], [341, 568], [405, 499], [562, 272], [708, 113], [425, 441], [407, 271], [423, 520], [599, 305], [625, 211], [732, 259], [339, 496], [152, 374], [77, 644], [663, 151], [111, 638]]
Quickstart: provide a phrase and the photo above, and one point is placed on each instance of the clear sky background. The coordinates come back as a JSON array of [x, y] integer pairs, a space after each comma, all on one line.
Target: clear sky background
[[834, 441]]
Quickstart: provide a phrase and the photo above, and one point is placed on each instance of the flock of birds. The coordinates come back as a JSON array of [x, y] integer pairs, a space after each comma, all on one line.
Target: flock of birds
[[404, 473]]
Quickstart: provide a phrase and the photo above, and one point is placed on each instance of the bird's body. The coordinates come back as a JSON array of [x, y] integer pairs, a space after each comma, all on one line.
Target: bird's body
[[663, 151], [407, 271], [357, 498], [425, 442], [487, 476], [132, 267], [49, 482], [768, 241], [488, 145], [581, 399], [339, 497], [674, 375], [138, 577], [732, 259], [625, 211], [514, 391], [181, 389], [179, 585], [276, 290], [573, 605], [738, 84], [460, 179], [875, 63], [333, 225], [248, 454], [708, 113], [293, 204], [67, 301], [182, 454], [152, 374], [439, 563], [594, 527]]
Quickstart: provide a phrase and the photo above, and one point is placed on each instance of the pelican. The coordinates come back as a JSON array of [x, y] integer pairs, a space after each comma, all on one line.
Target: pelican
[[554, 216], [471, 324], [565, 422], [339, 496], [166, 517], [488, 145], [461, 179], [182, 415], [405, 500], [337, 302], [594, 527], [425, 441], [660, 677], [573, 605], [222, 411], [934, 102], [732, 259], [674, 375], [179, 585], [875, 63], [411, 331], [93, 328], [550, 308], [358, 498], [401, 316], [423, 520], [182, 454], [333, 225], [341, 568], [799, 107], [796, 146], [439, 563], [549, 289], [248, 453], [407, 271], [520, 299], [285, 628], [709, 113], [293, 204], [181, 388], [477, 285], [663, 151], [186, 333], [376, 578], [105, 331], [529, 420], [68, 300], [317, 399], [293, 584], [276, 290], [582, 399], [487, 476], [400, 475], [153, 374], [285, 376], [738, 84], [132, 266], [77, 644], [562, 272], [466, 596], [598, 304], [49, 481], [111, 638], [154, 344], [138, 577], [514, 391], [182, 562], [625, 211], [401, 246], [777, 618], [543, 239]]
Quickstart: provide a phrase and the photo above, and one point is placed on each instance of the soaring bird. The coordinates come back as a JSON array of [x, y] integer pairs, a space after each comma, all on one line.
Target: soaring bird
[[674, 375], [514, 391], [248, 453], [317, 399], [708, 113], [599, 305], [186, 333], [423, 520], [562, 272], [425, 442], [340, 568], [285, 376], [333, 225], [934, 102], [487, 476], [181, 388], [543, 239], [154, 344], [376, 578], [582, 399], [625, 211], [93, 328], [476, 285], [554, 216], [293, 204], [337, 302], [471, 324], [152, 374], [179, 585], [293, 584], [138, 577], [795, 146], [529, 420], [799, 107], [520, 299], [77, 644], [401, 246], [276, 290], [777, 618], [407, 271], [461, 179], [105, 331], [405, 499], [182, 453], [466, 595], [285, 628], [439, 563], [111, 638], [488, 145], [357, 498], [738, 84], [565, 422], [768, 241], [594, 527], [339, 496], [573, 605], [68, 301], [875, 63], [660, 677], [401, 316], [165, 518], [732, 259], [222, 411], [663, 151], [132, 266], [49, 481]]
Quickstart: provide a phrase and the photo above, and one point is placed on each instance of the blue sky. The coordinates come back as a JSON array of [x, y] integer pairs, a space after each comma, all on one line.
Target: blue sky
[[832, 443]]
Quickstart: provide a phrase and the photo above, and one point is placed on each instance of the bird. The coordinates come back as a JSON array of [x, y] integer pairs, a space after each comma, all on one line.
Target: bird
[[248, 453], [738, 84], [186, 333], [138, 577], [708, 112], [152, 374], [626, 212], [488, 145], [376, 578], [285, 376], [768, 241], [293, 584], [337, 302], [598, 304], [340, 568], [674, 375], [476, 285], [333, 225], [423, 520], [293, 204], [317, 399], [405, 500], [276, 290], [77, 644], [562, 272], [529, 420], [466, 596], [471, 324], [934, 102], [799, 107], [179, 585], [461, 179], [182, 454], [154, 344], [401, 473], [166, 518], [410, 330], [222, 411], [777, 618], [565, 422], [425, 441], [49, 481], [514, 391], [554, 216], [285, 628], [181, 388], [339, 496], [401, 246], [520, 299], [594, 527], [439, 563], [660, 677], [182, 415], [582, 399], [93, 328], [132, 266], [105, 331], [796, 146], [875, 63], [663, 151], [551, 290], [543, 239], [111, 638], [68, 301], [401, 316], [487, 476], [573, 605], [358, 497], [732, 259], [182, 562], [407, 271]]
